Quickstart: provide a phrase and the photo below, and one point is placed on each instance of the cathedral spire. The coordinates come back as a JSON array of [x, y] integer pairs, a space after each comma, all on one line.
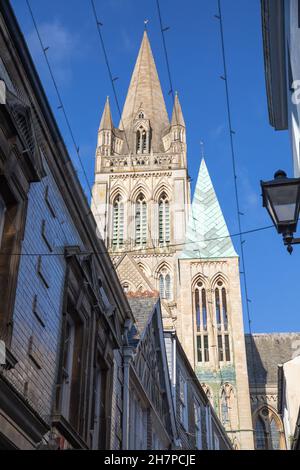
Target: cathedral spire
[[106, 120], [207, 234], [145, 98], [177, 116]]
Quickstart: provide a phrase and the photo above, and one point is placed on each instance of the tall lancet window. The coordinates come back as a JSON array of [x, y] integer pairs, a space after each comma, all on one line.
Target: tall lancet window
[[142, 140], [164, 219], [141, 221], [200, 313], [118, 222], [224, 408], [164, 280], [222, 322]]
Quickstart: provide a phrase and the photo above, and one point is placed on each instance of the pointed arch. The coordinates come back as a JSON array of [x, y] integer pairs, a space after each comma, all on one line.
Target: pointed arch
[[221, 308], [162, 187], [127, 286], [201, 318], [140, 188], [199, 278], [160, 266], [140, 219], [145, 270], [219, 277], [115, 191]]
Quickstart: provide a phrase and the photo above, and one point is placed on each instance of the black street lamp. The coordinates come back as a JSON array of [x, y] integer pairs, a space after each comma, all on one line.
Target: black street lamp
[[281, 197]]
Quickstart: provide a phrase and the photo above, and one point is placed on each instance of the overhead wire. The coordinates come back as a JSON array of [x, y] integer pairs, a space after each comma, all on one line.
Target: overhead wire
[[231, 131], [156, 250]]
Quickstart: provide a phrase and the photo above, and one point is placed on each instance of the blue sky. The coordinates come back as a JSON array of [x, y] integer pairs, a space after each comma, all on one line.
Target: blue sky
[[194, 47]]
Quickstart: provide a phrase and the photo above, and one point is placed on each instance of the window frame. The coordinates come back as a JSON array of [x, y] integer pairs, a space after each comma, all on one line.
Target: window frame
[[118, 219], [140, 221]]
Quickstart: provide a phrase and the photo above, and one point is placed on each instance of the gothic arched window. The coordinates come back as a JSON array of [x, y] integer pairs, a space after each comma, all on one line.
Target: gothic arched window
[[164, 281], [126, 287], [141, 220], [222, 322], [208, 393], [118, 222], [268, 430], [200, 309], [164, 219]]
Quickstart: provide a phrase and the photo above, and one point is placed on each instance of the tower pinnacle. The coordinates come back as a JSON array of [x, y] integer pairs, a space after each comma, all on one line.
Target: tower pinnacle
[[106, 120]]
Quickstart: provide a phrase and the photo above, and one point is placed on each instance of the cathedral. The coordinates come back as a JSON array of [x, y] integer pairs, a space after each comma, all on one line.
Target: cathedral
[[161, 241]]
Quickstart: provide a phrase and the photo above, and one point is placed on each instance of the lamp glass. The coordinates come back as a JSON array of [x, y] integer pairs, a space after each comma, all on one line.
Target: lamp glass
[[282, 203]]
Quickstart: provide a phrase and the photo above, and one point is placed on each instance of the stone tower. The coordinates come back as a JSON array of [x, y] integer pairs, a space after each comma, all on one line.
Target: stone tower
[[160, 241]]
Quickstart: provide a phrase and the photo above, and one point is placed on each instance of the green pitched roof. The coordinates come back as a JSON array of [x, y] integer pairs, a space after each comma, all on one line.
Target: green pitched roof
[[207, 234]]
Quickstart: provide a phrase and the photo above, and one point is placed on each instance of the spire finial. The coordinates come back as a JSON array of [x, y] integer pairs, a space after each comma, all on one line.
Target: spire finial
[[146, 21]]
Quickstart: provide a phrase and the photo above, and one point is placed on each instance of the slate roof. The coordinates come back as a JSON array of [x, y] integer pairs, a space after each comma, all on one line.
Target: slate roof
[[142, 309], [269, 350], [207, 234]]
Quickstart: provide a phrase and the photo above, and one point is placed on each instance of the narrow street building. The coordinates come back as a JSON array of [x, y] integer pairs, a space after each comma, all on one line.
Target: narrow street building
[[151, 417], [289, 399]]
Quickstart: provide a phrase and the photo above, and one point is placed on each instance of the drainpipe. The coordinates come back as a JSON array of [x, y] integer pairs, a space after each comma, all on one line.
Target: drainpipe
[[127, 355]]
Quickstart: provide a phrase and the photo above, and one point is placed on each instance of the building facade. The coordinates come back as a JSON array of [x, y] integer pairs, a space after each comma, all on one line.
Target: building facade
[[63, 311], [198, 425], [160, 242], [289, 398]]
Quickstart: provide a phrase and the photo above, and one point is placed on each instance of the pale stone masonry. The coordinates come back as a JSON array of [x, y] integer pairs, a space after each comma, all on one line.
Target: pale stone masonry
[[38, 377], [62, 308]]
